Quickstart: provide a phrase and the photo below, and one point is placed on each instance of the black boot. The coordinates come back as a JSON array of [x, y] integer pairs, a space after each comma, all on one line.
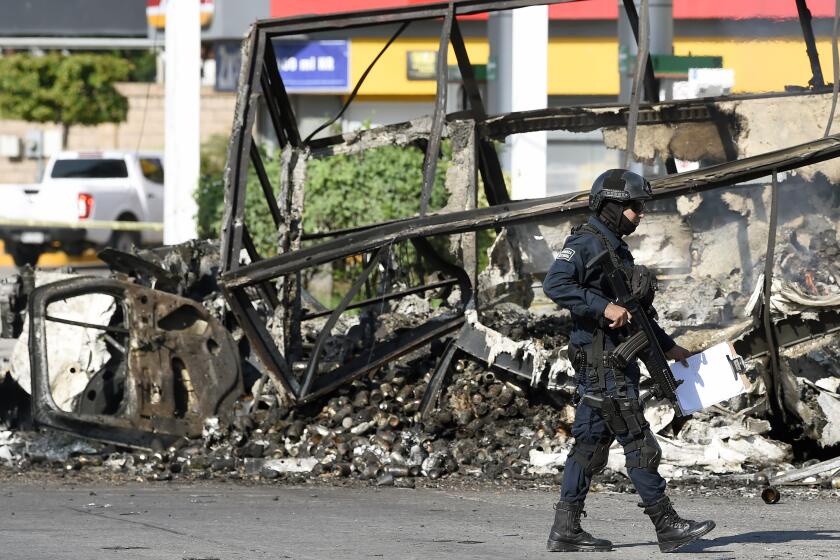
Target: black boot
[[673, 531], [566, 534]]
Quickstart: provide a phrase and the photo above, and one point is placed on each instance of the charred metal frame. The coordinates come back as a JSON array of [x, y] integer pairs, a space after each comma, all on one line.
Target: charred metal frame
[[276, 280], [374, 239], [521, 211], [787, 332], [260, 78], [172, 344], [817, 80]]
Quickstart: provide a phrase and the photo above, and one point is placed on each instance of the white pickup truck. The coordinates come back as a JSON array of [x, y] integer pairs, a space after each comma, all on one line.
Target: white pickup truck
[[79, 188]]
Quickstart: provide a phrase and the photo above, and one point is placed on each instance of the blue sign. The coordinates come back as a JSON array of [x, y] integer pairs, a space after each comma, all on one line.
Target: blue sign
[[314, 66]]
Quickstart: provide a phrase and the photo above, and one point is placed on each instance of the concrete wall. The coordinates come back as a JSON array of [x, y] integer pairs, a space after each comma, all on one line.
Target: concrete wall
[[143, 128]]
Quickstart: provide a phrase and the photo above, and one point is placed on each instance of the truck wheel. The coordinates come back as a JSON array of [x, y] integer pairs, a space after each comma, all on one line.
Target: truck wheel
[[25, 254], [125, 240]]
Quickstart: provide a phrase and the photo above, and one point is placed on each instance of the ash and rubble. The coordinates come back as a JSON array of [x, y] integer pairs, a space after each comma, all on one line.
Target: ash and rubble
[[805, 287], [488, 425], [492, 401]]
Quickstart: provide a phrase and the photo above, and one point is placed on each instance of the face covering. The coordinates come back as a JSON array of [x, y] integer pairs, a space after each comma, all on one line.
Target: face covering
[[625, 226], [612, 214]]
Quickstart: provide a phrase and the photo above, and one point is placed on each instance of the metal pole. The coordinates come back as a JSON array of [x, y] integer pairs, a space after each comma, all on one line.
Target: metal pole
[[774, 386], [661, 15], [638, 79], [500, 72], [182, 110], [661, 36], [817, 80], [519, 56]]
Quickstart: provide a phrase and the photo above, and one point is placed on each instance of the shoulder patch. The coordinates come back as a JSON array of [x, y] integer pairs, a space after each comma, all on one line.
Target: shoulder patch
[[566, 254]]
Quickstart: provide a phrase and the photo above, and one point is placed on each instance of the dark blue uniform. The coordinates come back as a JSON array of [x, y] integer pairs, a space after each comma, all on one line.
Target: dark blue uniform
[[586, 294]]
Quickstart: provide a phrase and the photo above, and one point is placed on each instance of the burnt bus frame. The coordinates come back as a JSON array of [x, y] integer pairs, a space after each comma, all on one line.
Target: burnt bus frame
[[260, 78]]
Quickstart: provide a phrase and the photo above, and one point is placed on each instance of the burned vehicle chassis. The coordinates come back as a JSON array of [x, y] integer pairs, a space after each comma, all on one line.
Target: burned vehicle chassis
[[178, 365]]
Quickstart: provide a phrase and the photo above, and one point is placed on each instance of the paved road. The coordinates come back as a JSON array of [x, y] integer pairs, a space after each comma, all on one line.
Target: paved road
[[228, 521]]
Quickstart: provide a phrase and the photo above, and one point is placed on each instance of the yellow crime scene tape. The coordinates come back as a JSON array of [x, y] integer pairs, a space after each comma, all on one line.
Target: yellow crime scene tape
[[59, 258], [89, 224]]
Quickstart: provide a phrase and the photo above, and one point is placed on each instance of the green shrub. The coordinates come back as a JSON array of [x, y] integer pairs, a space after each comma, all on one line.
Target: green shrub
[[341, 191], [210, 197], [378, 185]]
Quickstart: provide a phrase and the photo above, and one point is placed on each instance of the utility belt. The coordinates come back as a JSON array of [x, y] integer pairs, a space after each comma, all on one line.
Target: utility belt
[[618, 357], [597, 359], [583, 359]]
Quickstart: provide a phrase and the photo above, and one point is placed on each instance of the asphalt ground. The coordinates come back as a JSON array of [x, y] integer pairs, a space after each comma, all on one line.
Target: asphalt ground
[[211, 520], [72, 520]]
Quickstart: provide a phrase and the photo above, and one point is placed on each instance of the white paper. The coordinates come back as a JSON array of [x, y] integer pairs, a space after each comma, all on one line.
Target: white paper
[[708, 379]]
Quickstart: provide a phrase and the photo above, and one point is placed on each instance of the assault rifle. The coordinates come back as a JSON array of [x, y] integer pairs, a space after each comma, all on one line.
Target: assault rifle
[[643, 342]]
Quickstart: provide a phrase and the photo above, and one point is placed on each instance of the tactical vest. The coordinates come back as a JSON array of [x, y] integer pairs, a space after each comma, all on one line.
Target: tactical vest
[[641, 280], [643, 285]]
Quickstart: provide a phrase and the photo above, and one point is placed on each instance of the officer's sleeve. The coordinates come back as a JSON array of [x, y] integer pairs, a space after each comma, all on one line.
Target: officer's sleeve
[[564, 283], [665, 341]]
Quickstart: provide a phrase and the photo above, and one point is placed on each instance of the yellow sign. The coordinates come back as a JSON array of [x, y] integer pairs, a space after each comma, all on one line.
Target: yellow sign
[[421, 65]]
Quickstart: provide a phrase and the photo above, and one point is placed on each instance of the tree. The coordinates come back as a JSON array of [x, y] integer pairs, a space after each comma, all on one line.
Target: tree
[[69, 90]]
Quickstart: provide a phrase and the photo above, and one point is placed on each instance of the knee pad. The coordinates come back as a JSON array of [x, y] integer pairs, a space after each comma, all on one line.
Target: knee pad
[[649, 453], [591, 456]]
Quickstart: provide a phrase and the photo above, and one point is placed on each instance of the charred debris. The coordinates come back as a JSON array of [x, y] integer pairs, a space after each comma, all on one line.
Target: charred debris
[[208, 358]]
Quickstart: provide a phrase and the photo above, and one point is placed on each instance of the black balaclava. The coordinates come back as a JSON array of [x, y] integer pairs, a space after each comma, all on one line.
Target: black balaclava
[[612, 214]]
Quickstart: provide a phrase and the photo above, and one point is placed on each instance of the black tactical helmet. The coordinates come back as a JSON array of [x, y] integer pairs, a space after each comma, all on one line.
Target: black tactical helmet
[[619, 185]]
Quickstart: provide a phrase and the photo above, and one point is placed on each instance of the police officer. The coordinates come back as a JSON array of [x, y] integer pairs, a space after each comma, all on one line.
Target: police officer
[[609, 405]]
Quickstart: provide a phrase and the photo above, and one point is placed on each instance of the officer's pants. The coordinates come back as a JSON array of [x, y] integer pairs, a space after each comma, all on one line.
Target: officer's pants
[[589, 427]]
